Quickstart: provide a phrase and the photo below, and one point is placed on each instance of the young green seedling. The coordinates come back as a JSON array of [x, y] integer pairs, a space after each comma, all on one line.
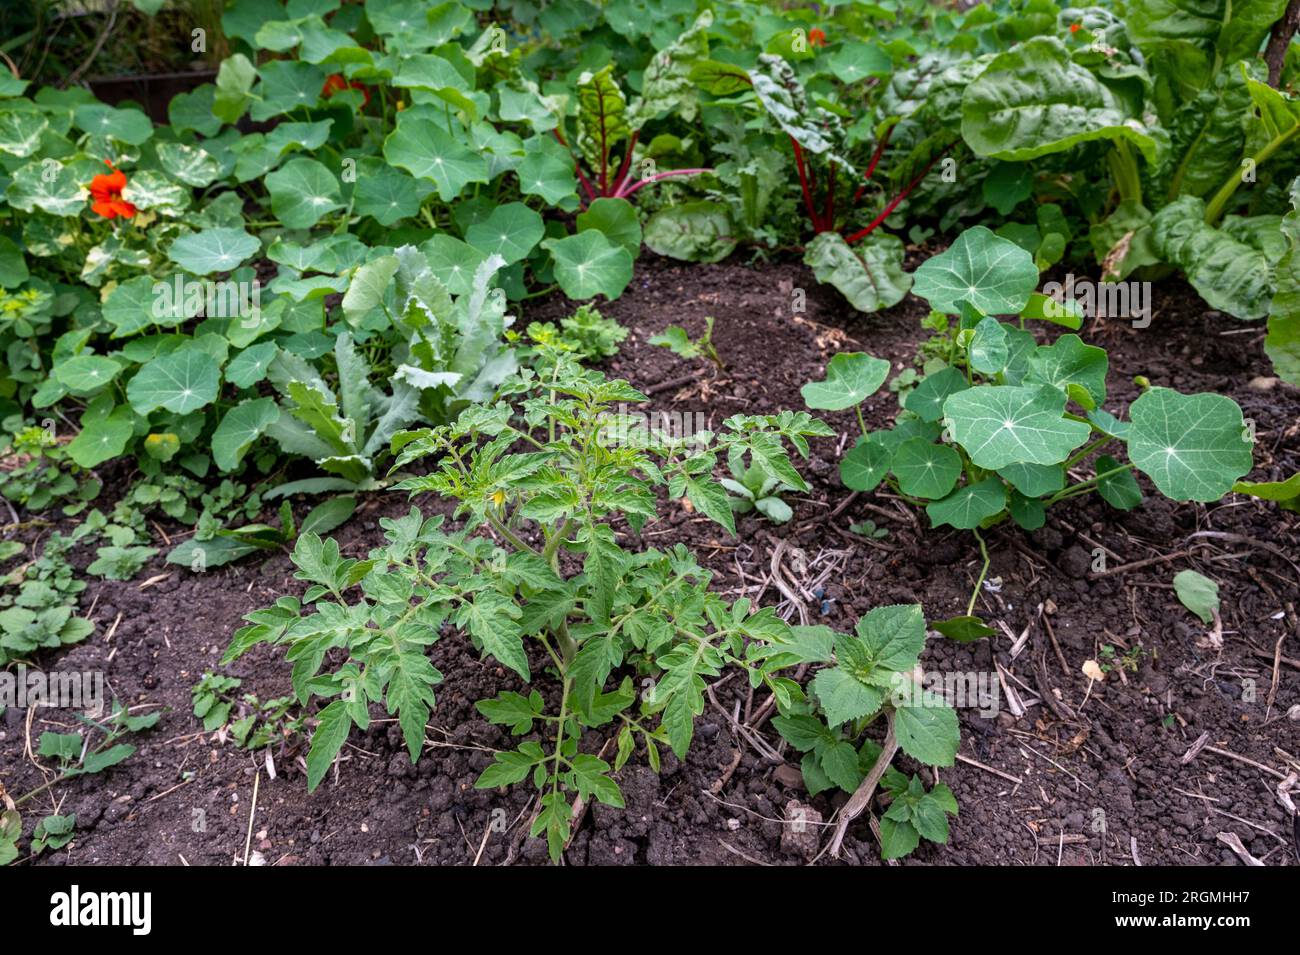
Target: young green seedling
[[536, 579], [866, 676]]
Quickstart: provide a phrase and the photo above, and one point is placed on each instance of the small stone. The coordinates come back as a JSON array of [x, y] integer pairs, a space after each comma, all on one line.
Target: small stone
[[801, 833]]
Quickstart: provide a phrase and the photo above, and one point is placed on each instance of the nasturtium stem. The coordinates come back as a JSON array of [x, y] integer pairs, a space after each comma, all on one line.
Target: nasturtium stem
[[1074, 490], [1088, 449], [861, 421]]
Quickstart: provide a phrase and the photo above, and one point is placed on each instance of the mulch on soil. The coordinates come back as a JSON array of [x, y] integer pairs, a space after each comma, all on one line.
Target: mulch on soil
[[1063, 774]]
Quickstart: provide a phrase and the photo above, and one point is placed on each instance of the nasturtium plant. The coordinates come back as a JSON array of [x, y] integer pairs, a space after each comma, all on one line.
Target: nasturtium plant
[[536, 579], [1003, 427]]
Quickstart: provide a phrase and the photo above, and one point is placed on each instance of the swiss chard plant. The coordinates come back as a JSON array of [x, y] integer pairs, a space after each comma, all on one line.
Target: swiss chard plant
[[1002, 427], [1173, 112], [606, 120], [536, 579]]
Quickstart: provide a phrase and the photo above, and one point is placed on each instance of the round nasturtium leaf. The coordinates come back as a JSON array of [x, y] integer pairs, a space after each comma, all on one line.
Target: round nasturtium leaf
[[992, 273], [162, 446], [192, 165], [150, 189], [126, 125], [86, 374], [547, 171], [1010, 424], [617, 219], [968, 507], [865, 466], [851, 377], [1034, 480], [60, 194], [103, 436], [242, 425], [588, 264], [423, 148], [1118, 488], [1068, 361], [303, 191], [385, 193], [925, 469], [926, 399], [988, 347], [212, 250], [453, 262], [511, 231], [20, 131], [1194, 447], [181, 381]]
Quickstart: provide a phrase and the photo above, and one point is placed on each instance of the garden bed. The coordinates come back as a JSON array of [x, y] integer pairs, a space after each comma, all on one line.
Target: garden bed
[[1088, 775]]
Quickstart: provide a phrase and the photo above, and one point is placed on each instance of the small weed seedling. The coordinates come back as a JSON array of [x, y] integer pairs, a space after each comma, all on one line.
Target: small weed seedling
[[261, 724], [867, 676], [1129, 660], [753, 488], [586, 334], [36, 472], [42, 613], [677, 341], [868, 528], [73, 755], [225, 545]]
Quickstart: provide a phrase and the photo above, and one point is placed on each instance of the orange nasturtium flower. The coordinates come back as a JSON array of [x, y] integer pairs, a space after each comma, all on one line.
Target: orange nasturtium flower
[[337, 81], [817, 36], [106, 194], [1074, 27]]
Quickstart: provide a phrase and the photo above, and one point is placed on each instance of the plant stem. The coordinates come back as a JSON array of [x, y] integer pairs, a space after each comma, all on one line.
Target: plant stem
[[553, 545], [626, 191], [509, 535], [871, 166], [1087, 450], [1214, 208], [803, 184], [621, 176], [1124, 168], [1074, 490], [894, 203], [984, 553]]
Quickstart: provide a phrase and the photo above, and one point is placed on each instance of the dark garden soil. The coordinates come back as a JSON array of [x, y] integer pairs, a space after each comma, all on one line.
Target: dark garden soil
[[1064, 774]]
